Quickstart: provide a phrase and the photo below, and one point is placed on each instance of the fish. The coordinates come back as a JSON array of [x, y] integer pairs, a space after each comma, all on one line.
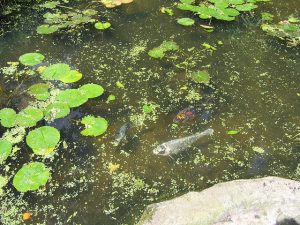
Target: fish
[[186, 115], [176, 146], [121, 133]]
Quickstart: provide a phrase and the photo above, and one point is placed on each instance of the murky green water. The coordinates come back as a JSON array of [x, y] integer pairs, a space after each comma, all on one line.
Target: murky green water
[[254, 86]]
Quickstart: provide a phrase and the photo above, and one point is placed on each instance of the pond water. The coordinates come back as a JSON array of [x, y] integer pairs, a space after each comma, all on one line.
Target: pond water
[[253, 89]]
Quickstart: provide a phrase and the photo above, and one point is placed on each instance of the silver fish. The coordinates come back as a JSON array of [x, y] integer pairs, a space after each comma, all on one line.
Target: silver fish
[[175, 146], [121, 133]]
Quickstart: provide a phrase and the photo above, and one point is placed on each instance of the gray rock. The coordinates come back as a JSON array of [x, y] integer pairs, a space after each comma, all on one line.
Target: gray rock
[[265, 201]]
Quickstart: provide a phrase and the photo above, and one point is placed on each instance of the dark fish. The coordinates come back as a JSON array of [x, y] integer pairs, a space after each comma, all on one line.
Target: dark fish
[[175, 146], [121, 133]]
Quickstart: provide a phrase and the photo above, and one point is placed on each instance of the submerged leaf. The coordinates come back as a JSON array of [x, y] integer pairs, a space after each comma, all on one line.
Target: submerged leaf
[[31, 59], [95, 126], [43, 140], [31, 176]]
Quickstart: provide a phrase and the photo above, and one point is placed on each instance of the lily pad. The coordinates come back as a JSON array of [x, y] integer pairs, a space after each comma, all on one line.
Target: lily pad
[[5, 149], [102, 26], [202, 77], [43, 140], [31, 176], [8, 117], [72, 97], [92, 90], [56, 110], [31, 59], [56, 71], [186, 21], [156, 53], [39, 91], [46, 29], [29, 116], [50, 5], [95, 126], [71, 76]]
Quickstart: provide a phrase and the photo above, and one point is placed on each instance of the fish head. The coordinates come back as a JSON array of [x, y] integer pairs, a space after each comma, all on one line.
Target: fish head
[[161, 150]]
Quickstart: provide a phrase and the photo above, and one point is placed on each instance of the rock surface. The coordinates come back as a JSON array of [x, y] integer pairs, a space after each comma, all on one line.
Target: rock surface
[[265, 201]]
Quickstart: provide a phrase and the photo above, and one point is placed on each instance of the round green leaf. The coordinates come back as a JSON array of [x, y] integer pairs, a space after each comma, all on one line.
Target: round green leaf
[[46, 29], [95, 126], [43, 140], [39, 91], [72, 97], [29, 116], [91, 90], [56, 71], [186, 21], [246, 7], [31, 59], [31, 176], [71, 76], [8, 117], [56, 110], [156, 53], [201, 77], [5, 150], [102, 26]]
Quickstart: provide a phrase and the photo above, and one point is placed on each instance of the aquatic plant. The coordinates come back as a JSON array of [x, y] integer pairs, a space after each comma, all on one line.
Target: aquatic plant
[[201, 77], [226, 10], [186, 21], [43, 140], [31, 176], [66, 18], [50, 103], [288, 30], [31, 59], [166, 46], [114, 3], [5, 150]]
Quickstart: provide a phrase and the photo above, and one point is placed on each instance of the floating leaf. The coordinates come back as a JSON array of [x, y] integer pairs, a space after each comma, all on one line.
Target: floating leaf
[[50, 5], [293, 19], [8, 117], [92, 90], [46, 29], [233, 132], [43, 140], [39, 91], [29, 116], [71, 76], [147, 108], [246, 7], [110, 98], [56, 110], [56, 71], [31, 176], [120, 85], [5, 149], [202, 77], [31, 59], [167, 11], [102, 26], [156, 53], [89, 12], [186, 21], [95, 126], [72, 97]]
